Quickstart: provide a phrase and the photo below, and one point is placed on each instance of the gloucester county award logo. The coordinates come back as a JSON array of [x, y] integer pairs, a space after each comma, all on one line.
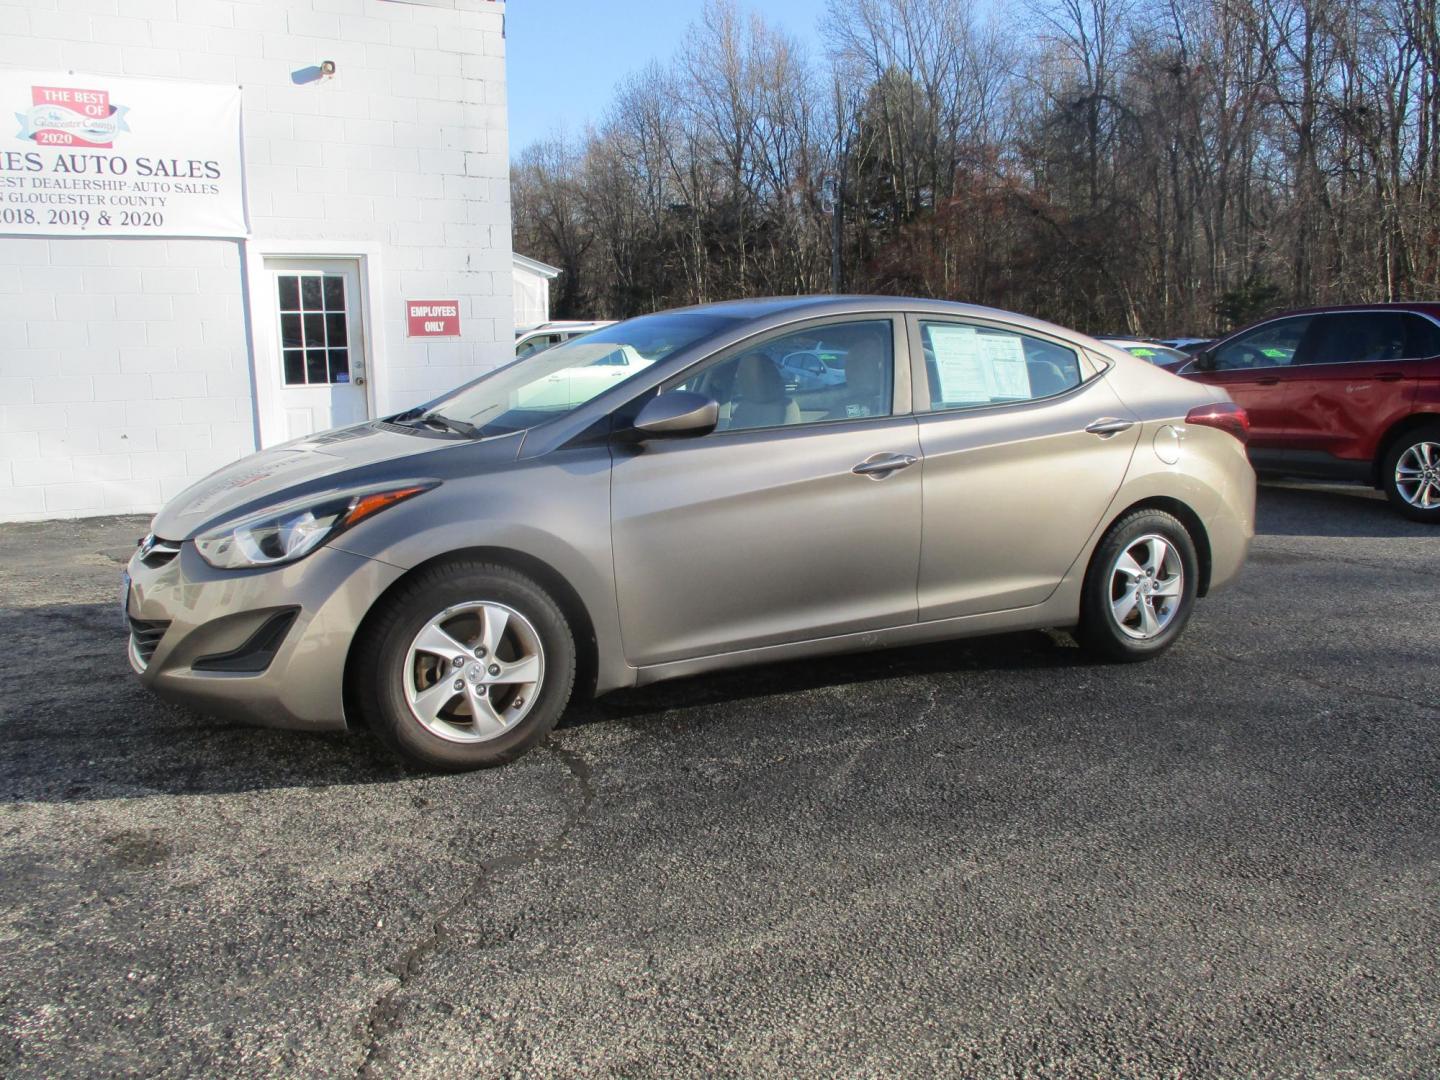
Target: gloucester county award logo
[[70, 116]]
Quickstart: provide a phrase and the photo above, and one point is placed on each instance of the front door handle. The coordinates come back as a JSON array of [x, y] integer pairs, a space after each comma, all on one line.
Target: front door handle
[[1109, 425], [1269, 380], [879, 466], [1389, 376]]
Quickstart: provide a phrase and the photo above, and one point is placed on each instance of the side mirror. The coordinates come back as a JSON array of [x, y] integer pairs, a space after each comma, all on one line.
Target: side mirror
[[677, 415], [1204, 360]]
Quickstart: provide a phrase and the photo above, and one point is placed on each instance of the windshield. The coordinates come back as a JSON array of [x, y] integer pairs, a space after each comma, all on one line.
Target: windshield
[[548, 384]]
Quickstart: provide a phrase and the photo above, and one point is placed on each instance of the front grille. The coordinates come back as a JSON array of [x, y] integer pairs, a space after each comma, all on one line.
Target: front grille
[[144, 637], [155, 552]]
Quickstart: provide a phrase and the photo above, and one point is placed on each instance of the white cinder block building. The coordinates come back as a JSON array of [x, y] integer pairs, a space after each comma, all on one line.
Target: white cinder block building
[[226, 224]]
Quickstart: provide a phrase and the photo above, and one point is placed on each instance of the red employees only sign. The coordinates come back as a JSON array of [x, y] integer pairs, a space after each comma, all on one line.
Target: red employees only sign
[[433, 318]]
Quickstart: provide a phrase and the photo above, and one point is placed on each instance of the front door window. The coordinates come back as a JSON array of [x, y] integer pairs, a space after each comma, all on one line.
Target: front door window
[[1272, 345]]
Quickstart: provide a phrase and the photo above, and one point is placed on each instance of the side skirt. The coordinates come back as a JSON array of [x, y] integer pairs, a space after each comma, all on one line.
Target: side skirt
[[1060, 610]]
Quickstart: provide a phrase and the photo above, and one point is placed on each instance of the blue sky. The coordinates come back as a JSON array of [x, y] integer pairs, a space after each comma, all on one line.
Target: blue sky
[[566, 56]]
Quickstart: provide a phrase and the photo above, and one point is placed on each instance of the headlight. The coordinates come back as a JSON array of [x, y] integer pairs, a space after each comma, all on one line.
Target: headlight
[[285, 533]]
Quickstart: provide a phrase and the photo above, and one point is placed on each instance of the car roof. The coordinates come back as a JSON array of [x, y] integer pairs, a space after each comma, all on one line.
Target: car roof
[[776, 310], [1428, 308]]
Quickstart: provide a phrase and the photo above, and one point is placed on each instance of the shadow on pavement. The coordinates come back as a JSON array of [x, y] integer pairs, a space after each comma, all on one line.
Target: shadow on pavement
[[1033, 650], [77, 726], [1292, 509], [91, 732]]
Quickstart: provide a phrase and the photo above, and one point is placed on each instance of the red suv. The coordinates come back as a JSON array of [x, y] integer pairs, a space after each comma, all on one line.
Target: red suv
[[1341, 393]]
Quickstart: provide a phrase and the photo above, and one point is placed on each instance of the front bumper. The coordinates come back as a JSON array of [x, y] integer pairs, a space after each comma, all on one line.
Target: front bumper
[[184, 614]]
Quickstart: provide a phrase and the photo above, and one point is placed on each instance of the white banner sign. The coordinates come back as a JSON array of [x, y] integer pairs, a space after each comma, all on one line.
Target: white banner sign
[[99, 155]]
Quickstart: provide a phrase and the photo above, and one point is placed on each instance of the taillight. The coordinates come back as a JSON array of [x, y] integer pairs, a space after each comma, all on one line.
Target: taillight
[[1225, 415]]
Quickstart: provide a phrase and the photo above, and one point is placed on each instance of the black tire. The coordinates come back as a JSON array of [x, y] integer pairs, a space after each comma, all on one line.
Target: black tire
[[379, 665], [1099, 632], [1430, 433]]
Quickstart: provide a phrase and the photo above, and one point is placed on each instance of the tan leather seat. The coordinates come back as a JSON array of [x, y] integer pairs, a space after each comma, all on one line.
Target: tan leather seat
[[866, 376], [758, 398]]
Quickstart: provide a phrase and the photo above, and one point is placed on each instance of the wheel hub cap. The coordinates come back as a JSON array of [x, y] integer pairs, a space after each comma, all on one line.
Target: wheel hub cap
[[475, 700], [1417, 475], [1146, 587]]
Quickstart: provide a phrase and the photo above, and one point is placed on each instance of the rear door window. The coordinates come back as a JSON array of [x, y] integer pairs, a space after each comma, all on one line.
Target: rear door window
[[971, 366], [1357, 337]]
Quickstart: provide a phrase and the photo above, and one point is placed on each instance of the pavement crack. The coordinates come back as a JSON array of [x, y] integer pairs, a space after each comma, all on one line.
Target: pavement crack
[[384, 1015]]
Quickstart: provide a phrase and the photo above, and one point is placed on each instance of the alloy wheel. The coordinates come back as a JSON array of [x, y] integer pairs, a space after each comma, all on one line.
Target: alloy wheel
[[474, 671], [1147, 583], [1417, 475]]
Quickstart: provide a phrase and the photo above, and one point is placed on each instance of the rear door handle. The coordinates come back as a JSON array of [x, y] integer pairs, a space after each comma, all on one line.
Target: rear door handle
[[879, 466], [1389, 376], [1270, 381], [1109, 425]]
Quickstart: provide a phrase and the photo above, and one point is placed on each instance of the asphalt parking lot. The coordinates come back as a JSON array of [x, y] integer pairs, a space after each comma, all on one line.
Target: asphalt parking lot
[[990, 858]]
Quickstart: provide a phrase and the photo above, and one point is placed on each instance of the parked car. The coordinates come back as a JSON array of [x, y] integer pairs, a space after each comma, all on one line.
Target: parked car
[[1348, 393], [1188, 345], [812, 369], [533, 339], [1152, 352], [580, 380], [451, 574]]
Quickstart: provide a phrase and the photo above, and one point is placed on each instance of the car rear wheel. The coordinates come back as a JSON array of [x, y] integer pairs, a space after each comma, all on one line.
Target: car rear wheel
[[468, 665], [1410, 474], [1140, 588]]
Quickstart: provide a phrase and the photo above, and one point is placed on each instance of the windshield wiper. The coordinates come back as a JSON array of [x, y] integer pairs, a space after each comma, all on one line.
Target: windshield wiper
[[436, 419], [449, 423]]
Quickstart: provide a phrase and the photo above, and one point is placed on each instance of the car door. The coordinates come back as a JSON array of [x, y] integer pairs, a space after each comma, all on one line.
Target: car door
[[1257, 368], [1355, 378], [1024, 446], [781, 525]]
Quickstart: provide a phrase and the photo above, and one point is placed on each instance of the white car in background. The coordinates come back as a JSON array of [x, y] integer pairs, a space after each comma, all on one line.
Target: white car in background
[[533, 339], [581, 379], [1152, 352]]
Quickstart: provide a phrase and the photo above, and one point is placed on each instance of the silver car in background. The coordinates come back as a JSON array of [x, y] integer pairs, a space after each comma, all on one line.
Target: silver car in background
[[451, 575]]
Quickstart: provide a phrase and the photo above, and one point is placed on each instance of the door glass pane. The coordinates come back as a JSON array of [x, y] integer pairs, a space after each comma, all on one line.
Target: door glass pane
[[841, 371], [1357, 337], [290, 332], [970, 366], [294, 367], [310, 296], [314, 330], [339, 365], [1272, 345], [289, 292], [315, 367], [336, 333]]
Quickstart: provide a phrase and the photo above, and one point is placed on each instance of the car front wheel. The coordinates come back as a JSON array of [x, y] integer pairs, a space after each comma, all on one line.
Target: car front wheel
[[1410, 474], [468, 665], [1140, 587]]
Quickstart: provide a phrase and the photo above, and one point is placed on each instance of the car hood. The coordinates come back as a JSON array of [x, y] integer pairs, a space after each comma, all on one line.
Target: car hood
[[359, 456]]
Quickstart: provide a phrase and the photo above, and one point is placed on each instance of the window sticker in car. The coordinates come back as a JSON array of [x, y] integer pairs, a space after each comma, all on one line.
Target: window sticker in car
[[977, 368], [1009, 375], [957, 361]]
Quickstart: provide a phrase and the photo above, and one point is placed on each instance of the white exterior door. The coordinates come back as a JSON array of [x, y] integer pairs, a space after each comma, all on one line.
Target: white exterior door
[[322, 350]]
